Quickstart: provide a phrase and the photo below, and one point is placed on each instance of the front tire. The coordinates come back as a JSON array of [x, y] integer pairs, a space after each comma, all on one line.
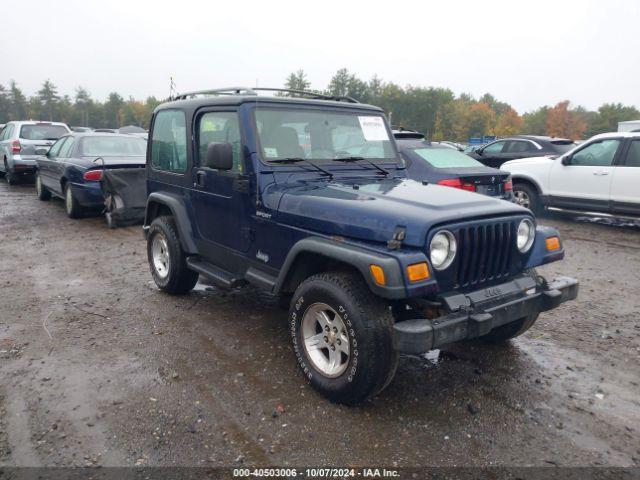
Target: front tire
[[516, 328], [342, 337], [71, 205], [41, 191], [167, 261], [526, 196]]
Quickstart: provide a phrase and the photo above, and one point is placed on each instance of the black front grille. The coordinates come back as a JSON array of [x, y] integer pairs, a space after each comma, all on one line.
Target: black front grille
[[485, 252]]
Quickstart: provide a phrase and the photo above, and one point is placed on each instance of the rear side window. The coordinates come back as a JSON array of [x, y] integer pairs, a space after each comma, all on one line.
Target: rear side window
[[169, 142], [519, 147], [65, 151], [446, 158], [633, 155], [42, 132], [220, 127]]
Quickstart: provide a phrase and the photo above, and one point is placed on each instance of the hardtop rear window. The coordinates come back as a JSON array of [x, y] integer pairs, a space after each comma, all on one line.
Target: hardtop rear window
[[446, 158], [42, 132]]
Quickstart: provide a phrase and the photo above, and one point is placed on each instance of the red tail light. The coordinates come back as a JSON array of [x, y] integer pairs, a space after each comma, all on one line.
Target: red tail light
[[457, 183], [508, 185], [15, 146], [92, 175]]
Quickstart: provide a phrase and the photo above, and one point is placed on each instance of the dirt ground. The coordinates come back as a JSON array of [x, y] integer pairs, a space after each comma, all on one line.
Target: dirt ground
[[98, 367]]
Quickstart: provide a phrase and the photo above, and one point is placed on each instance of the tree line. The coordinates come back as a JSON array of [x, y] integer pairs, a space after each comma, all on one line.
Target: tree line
[[437, 112], [78, 110], [442, 115]]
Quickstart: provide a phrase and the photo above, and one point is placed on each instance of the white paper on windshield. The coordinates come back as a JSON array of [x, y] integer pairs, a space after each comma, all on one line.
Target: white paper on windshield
[[271, 152], [373, 128]]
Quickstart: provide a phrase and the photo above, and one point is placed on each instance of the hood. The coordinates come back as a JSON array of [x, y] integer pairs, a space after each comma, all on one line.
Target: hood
[[529, 161], [373, 209]]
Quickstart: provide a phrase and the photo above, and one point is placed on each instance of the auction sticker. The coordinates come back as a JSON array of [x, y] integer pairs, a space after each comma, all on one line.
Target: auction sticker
[[373, 128]]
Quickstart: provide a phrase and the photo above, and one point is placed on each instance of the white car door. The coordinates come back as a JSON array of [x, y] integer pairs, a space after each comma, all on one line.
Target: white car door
[[625, 193], [582, 180]]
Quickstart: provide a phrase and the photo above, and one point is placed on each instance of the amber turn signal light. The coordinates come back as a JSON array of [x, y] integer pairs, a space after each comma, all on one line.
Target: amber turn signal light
[[377, 273], [418, 271], [553, 244]]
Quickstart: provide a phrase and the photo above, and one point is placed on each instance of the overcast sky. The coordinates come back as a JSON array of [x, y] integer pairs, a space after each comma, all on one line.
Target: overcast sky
[[525, 53]]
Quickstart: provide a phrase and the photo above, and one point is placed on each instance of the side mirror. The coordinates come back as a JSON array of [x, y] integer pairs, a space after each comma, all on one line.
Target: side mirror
[[566, 160], [478, 151], [42, 151], [219, 156]]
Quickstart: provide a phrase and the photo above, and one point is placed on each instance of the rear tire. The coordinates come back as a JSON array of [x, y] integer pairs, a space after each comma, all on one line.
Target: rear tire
[[41, 191], [527, 196], [9, 176], [73, 208], [167, 261], [355, 360]]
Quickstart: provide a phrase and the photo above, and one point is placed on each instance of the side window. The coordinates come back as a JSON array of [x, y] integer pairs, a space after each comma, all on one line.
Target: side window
[[55, 148], [518, 146], [598, 154], [65, 150], [169, 142], [633, 155], [220, 127], [494, 148]]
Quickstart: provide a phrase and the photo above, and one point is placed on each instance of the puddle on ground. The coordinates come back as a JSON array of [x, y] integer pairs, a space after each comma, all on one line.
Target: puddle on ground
[[432, 356], [613, 222]]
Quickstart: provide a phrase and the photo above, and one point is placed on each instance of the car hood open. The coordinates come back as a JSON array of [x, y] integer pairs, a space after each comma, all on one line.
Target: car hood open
[[373, 209]]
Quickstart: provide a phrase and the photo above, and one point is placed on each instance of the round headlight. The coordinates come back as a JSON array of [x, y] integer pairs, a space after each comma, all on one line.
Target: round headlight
[[526, 234], [442, 249]]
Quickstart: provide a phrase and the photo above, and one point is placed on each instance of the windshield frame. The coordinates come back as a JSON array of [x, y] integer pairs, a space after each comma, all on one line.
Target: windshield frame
[[396, 160]]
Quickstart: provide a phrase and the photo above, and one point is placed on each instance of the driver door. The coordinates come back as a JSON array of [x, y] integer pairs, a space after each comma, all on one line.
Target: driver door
[[584, 183]]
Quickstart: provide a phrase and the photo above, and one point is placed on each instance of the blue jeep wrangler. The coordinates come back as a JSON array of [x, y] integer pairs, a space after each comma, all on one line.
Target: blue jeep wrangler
[[304, 195]]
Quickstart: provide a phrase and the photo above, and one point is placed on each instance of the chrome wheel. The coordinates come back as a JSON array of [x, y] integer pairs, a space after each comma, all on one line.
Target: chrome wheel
[[160, 254], [325, 340], [522, 198]]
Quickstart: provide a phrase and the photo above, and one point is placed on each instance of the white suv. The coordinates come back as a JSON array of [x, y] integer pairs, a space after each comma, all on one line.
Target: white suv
[[18, 144], [600, 176]]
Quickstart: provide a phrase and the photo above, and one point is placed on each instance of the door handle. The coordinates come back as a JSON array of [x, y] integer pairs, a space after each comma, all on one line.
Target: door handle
[[201, 179], [600, 173]]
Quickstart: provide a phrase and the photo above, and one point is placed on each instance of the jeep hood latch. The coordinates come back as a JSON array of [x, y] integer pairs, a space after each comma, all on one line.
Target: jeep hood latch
[[397, 238]]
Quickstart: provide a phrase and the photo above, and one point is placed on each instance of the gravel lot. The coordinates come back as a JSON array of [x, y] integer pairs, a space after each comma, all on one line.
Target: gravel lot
[[98, 367]]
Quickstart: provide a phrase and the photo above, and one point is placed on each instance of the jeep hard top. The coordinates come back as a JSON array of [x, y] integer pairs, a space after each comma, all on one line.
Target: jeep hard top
[[304, 195]]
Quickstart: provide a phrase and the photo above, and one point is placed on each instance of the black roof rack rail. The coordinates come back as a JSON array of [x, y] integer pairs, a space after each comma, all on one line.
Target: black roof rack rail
[[254, 91]]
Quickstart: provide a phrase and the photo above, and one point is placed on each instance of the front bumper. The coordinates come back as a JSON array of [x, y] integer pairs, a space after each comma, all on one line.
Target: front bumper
[[477, 313]]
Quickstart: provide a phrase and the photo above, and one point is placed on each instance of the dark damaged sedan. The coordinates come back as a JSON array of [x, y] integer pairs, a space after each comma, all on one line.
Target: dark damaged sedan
[[74, 165], [435, 163]]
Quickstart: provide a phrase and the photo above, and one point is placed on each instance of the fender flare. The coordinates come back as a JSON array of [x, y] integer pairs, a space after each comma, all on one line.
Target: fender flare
[[179, 212], [528, 179], [357, 257]]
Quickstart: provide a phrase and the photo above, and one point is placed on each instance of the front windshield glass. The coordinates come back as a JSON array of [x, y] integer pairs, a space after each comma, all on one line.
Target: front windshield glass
[[108, 146], [322, 135], [446, 158]]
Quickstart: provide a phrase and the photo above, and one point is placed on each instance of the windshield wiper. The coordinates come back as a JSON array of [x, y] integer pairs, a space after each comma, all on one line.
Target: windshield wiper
[[300, 159], [362, 159]]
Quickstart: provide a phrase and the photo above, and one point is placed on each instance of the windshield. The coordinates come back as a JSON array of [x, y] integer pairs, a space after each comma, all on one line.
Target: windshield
[[322, 135], [42, 132], [113, 146], [446, 158]]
